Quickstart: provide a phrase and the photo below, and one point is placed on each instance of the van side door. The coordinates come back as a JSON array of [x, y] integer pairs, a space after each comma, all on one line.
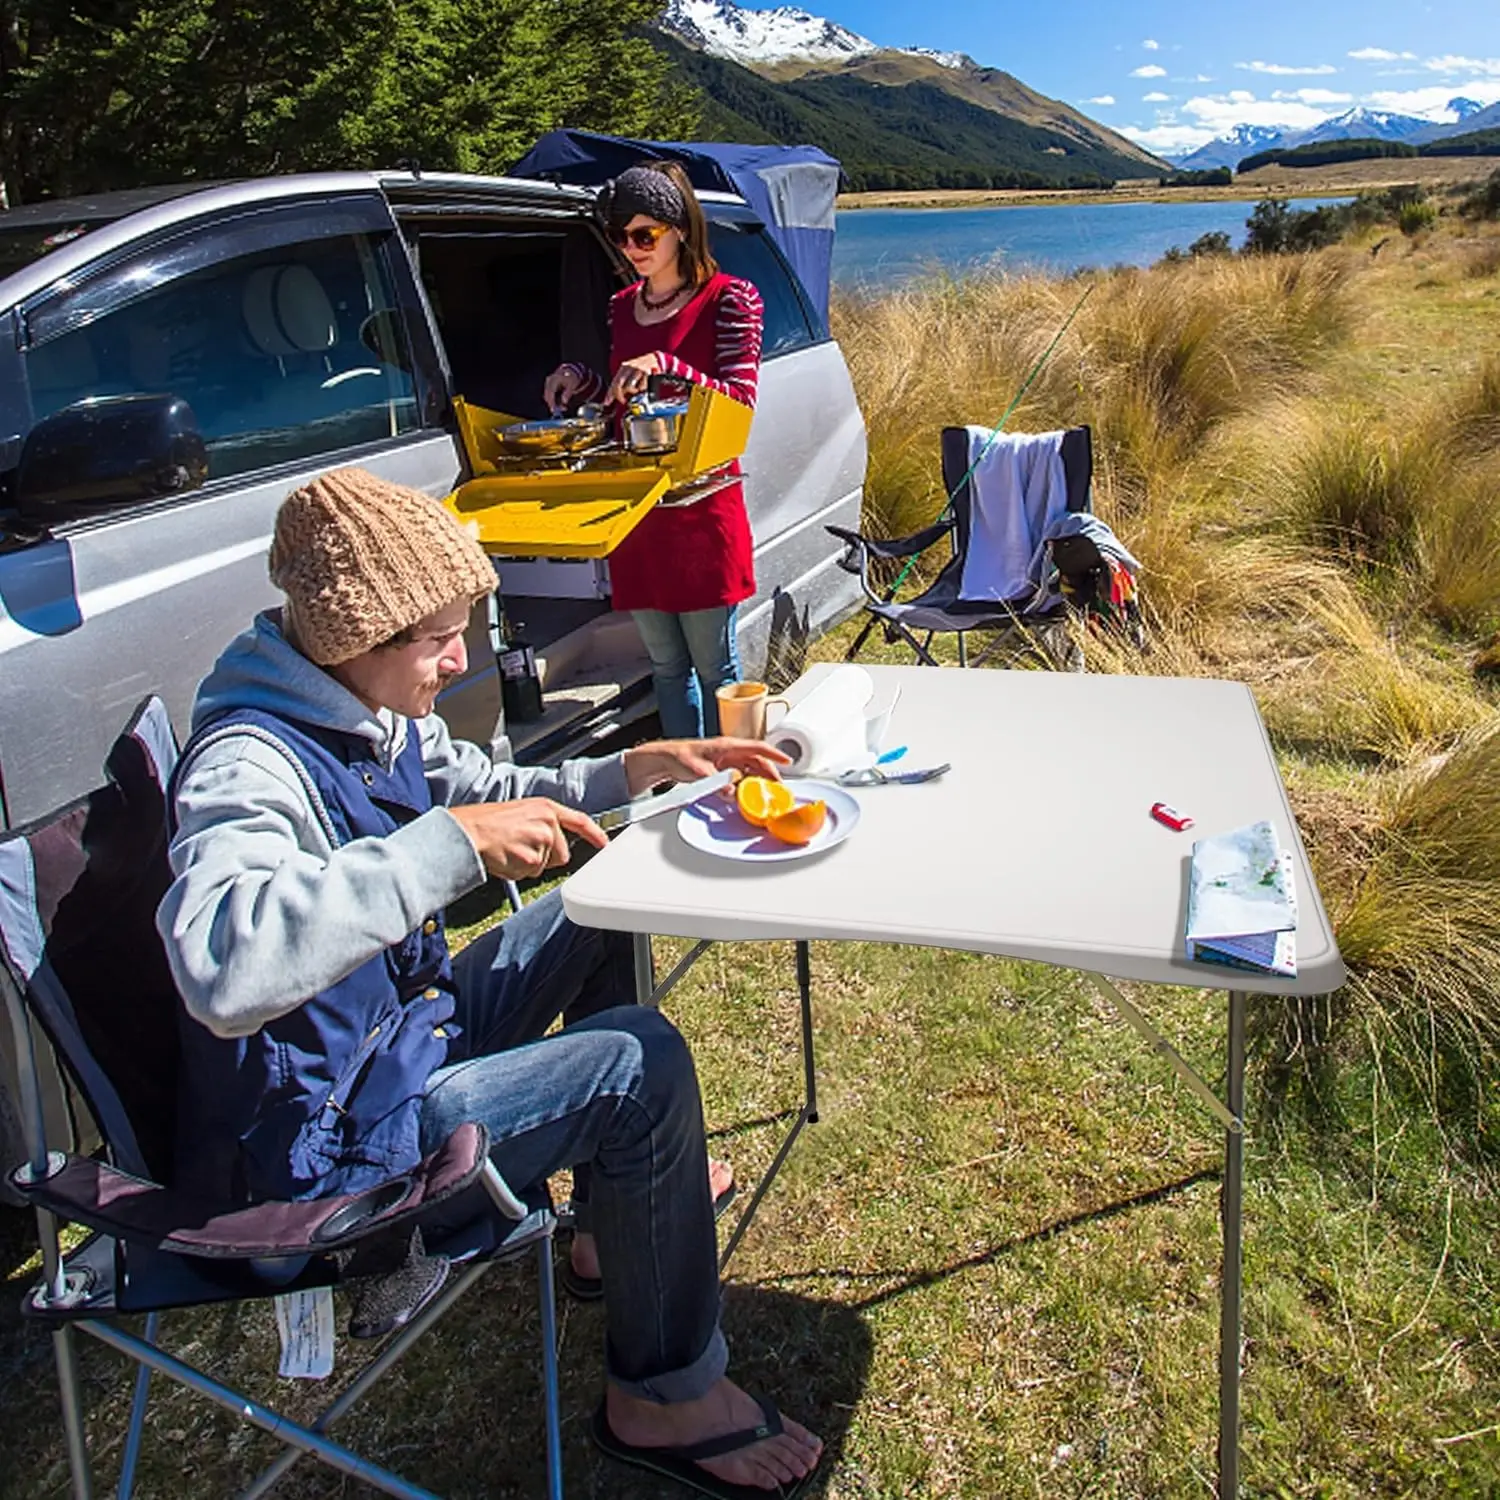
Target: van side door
[[295, 334]]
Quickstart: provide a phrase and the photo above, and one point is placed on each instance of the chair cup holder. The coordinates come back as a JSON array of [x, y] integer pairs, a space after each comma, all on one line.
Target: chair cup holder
[[375, 1203]]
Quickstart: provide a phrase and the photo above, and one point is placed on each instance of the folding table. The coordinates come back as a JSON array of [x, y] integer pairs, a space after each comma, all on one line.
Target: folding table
[[1038, 845]]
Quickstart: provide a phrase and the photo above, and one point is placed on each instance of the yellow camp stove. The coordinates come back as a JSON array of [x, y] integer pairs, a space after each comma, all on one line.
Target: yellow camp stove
[[571, 487]]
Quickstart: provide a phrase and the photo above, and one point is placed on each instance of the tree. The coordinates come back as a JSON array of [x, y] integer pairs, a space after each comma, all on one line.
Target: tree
[[97, 94]]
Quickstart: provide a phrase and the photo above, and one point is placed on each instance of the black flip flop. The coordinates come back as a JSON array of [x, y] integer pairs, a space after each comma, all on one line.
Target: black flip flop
[[681, 1463], [591, 1288]]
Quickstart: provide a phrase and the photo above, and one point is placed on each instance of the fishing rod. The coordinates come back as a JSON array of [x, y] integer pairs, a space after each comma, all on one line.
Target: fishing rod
[[989, 443]]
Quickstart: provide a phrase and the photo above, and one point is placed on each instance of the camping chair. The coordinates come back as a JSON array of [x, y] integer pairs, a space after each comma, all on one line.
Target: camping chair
[[81, 962], [1035, 613]]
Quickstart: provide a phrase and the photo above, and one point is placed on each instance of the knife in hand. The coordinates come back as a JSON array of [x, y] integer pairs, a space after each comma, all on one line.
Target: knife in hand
[[678, 796]]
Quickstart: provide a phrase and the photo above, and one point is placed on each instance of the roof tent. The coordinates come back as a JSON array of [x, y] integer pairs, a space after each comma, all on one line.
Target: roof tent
[[792, 188]]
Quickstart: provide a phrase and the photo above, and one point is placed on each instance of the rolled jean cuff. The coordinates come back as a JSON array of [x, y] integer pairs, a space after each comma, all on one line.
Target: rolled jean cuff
[[686, 1384]]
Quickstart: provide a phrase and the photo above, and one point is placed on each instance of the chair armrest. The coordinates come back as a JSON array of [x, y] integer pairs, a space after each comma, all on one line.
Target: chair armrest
[[890, 547], [115, 1203]]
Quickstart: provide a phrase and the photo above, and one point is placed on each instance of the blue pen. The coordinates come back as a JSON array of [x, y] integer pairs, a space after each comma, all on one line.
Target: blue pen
[[891, 755]]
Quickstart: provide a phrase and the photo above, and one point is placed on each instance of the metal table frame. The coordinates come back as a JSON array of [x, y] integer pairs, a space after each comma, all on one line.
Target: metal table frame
[[1229, 1112]]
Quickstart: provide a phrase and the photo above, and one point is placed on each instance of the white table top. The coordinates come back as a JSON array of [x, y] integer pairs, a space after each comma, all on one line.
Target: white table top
[[1039, 843]]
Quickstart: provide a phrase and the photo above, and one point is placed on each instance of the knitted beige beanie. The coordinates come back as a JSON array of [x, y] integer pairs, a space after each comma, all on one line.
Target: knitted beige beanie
[[360, 559]]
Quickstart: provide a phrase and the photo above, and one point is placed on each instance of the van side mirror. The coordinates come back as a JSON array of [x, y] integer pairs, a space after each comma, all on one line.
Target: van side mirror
[[107, 451]]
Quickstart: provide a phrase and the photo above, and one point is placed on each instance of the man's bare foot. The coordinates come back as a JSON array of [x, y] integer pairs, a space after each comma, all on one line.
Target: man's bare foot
[[782, 1459], [584, 1254]]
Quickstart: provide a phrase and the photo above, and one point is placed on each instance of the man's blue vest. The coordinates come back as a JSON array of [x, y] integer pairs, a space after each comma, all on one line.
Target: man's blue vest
[[326, 1098]]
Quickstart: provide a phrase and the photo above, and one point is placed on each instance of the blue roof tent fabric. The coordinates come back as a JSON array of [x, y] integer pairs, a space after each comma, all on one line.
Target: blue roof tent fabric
[[791, 188]]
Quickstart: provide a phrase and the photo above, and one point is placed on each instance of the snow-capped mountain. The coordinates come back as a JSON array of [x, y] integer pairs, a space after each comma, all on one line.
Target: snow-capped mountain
[[1360, 124], [763, 37], [1354, 124], [1226, 150], [749, 37]]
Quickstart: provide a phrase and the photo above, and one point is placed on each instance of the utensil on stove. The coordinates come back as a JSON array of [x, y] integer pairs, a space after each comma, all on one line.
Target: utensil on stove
[[554, 435], [652, 425]]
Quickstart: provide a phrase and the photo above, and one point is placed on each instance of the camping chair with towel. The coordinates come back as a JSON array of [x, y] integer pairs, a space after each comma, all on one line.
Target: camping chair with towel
[[83, 970], [1027, 550]]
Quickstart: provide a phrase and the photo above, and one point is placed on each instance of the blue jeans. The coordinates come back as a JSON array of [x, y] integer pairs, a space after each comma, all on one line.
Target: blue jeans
[[613, 1095], [691, 655]]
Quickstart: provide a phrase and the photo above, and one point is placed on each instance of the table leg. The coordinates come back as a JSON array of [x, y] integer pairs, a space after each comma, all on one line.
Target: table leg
[[1229, 1310], [807, 1115], [645, 968]]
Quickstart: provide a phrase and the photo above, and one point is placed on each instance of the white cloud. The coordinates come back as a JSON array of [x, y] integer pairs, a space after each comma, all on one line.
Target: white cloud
[[1101, 99], [1314, 96], [1168, 140], [1155, 98], [1381, 54], [1201, 78], [1150, 70], [1151, 46], [1221, 112], [1432, 103], [1488, 67], [1281, 70]]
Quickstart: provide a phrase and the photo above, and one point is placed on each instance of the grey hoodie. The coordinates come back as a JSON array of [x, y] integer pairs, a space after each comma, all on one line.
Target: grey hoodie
[[264, 911]]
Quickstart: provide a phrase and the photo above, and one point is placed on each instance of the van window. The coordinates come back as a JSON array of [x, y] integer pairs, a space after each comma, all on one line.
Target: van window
[[745, 252], [283, 355]]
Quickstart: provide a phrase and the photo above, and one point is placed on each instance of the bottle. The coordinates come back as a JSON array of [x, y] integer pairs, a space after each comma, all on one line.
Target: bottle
[[520, 683]]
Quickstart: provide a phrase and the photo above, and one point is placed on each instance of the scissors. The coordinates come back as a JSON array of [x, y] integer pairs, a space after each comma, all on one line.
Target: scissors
[[874, 776]]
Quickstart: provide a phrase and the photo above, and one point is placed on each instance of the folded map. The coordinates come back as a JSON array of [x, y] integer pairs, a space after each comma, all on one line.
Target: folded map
[[1242, 908]]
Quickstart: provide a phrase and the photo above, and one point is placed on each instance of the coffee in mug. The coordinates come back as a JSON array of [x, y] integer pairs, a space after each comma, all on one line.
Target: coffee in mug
[[742, 709]]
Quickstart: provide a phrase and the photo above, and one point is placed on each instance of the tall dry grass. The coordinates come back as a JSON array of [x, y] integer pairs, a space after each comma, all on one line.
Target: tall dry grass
[[1332, 545]]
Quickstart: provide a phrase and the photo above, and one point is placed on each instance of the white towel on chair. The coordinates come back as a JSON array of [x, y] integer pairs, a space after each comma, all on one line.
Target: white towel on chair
[[1019, 489]]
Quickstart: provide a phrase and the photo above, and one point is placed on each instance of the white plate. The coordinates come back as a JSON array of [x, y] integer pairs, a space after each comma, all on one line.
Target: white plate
[[715, 826]]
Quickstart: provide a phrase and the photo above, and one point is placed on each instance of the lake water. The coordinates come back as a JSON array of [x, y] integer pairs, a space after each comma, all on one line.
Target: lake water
[[876, 246]]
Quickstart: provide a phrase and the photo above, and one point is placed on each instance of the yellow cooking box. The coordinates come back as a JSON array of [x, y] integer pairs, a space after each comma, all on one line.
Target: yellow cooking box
[[585, 505]]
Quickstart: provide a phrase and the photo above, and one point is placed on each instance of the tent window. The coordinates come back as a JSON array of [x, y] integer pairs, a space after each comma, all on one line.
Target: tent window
[[747, 253]]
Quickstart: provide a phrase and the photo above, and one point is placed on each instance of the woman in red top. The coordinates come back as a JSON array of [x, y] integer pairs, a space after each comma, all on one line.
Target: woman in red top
[[683, 570]]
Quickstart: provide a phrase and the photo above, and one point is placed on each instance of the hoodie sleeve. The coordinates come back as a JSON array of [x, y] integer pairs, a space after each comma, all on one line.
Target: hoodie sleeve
[[459, 772], [263, 912]]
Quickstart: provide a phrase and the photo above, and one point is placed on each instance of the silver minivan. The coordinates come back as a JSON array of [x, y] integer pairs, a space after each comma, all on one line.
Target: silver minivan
[[263, 331]]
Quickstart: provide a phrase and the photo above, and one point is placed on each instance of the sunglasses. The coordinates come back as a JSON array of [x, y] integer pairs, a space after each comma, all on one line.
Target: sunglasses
[[643, 237]]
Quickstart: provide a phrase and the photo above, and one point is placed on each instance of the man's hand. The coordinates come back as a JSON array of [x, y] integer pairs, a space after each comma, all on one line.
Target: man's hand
[[687, 760], [522, 839]]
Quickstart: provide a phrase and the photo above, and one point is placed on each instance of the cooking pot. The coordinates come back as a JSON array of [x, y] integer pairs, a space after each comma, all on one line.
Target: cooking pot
[[555, 435], [653, 426]]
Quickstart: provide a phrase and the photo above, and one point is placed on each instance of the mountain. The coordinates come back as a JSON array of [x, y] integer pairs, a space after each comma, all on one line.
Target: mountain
[[1354, 124], [749, 37], [1226, 150], [828, 67], [1359, 124]]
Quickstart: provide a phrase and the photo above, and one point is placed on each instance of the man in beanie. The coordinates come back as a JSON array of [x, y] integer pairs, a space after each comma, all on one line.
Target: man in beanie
[[323, 819]]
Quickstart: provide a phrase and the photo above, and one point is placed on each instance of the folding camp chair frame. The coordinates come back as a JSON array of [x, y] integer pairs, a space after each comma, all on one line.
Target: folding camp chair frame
[[49, 1180], [938, 610]]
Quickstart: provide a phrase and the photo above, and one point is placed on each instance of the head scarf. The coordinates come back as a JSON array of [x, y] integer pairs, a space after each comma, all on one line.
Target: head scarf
[[642, 190]]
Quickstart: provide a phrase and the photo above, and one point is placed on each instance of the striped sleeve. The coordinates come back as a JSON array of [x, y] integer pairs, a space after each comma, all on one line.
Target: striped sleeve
[[737, 338], [591, 382]]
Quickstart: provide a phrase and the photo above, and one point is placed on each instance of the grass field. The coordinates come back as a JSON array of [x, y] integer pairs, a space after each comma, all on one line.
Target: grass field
[[992, 1270]]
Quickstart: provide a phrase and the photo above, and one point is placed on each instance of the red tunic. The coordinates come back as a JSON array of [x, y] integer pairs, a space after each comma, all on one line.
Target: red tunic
[[699, 556]]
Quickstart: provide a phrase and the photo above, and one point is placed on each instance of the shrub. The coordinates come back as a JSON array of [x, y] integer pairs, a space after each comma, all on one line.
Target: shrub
[[1215, 242], [1484, 201], [1415, 217]]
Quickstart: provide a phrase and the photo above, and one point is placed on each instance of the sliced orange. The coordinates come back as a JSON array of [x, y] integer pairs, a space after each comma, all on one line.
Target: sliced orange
[[800, 824], [760, 799]]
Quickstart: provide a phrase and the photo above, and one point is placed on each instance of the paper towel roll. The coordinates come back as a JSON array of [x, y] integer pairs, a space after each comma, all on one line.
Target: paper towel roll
[[826, 730]]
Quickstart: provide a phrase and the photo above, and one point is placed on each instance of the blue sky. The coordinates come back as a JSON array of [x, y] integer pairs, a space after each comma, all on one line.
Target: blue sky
[[1173, 76]]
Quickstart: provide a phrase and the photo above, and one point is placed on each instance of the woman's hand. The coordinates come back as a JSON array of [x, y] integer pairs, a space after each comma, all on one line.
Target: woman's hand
[[687, 760], [560, 387], [630, 379]]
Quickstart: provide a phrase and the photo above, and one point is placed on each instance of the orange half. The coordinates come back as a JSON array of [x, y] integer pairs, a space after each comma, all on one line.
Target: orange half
[[799, 825], [760, 799]]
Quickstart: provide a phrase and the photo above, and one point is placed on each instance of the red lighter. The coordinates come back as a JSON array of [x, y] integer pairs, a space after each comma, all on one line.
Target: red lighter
[[1170, 816]]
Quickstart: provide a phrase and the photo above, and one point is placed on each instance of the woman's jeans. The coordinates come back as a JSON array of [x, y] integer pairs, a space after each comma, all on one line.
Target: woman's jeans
[[615, 1096], [691, 655]]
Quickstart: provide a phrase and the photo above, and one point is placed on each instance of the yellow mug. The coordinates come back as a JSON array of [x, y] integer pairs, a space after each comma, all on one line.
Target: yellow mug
[[742, 709]]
